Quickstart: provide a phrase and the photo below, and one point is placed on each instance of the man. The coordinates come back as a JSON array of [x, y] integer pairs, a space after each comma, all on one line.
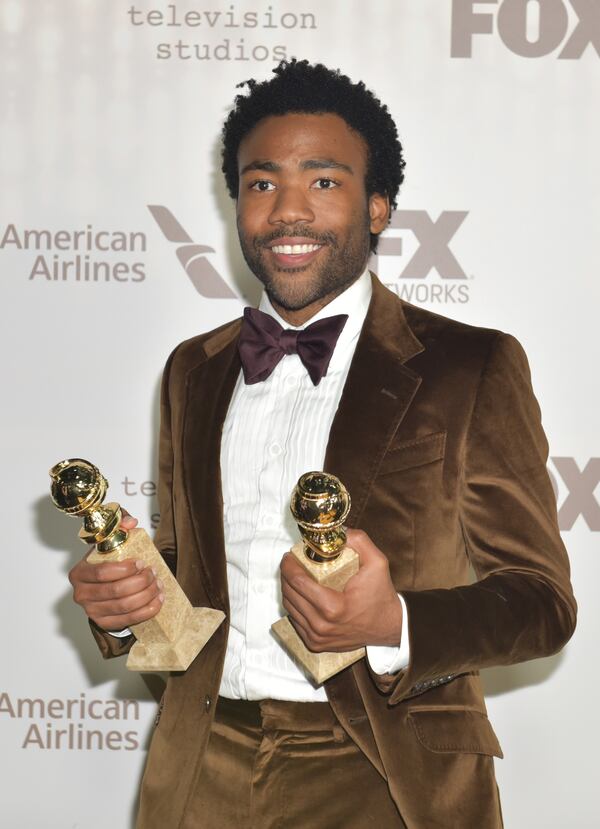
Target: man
[[433, 428]]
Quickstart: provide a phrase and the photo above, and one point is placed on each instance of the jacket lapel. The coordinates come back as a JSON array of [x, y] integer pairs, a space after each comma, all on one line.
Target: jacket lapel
[[210, 385], [377, 394]]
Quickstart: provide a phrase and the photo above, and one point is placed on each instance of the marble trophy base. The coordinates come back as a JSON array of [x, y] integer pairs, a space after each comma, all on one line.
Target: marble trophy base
[[174, 637], [333, 574]]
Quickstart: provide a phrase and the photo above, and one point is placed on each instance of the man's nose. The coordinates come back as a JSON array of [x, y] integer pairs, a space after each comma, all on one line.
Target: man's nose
[[291, 205]]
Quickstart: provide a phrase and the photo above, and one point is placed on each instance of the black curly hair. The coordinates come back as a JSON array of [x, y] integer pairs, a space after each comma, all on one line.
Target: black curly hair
[[299, 86]]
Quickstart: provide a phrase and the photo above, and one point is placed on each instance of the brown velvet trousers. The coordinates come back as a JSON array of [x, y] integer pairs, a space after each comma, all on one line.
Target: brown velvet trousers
[[286, 765]]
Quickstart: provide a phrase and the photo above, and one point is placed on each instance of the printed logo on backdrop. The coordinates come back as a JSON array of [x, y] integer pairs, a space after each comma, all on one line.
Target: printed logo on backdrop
[[566, 29], [203, 276], [574, 488], [147, 489], [219, 34], [85, 254], [433, 255], [415, 260], [580, 500], [74, 723], [97, 256]]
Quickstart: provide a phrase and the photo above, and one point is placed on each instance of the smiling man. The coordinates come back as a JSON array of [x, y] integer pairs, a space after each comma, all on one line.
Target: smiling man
[[303, 214], [433, 427]]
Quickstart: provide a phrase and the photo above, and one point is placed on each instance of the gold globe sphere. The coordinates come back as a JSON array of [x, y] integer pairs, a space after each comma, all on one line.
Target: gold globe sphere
[[77, 485], [320, 504]]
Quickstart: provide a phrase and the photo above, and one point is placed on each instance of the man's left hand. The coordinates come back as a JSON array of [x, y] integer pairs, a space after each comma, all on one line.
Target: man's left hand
[[367, 612]]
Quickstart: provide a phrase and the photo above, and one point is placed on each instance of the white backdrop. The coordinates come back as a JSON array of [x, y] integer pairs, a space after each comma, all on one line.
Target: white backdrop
[[110, 107]]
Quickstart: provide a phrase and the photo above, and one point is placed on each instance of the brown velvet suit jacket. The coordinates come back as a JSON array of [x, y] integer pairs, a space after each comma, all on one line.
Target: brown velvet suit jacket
[[438, 439]]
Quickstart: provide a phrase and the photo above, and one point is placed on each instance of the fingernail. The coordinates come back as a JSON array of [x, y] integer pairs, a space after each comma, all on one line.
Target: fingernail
[[161, 597], [154, 571], [159, 584], [139, 565]]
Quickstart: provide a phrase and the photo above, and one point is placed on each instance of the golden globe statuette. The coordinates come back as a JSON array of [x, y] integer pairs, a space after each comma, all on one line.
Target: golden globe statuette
[[173, 638], [320, 504]]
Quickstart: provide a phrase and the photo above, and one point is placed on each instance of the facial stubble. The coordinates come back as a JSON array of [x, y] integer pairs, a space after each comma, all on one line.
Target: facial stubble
[[342, 265]]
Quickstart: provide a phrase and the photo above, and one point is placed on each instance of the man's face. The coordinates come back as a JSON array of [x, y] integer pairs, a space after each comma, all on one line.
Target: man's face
[[303, 214]]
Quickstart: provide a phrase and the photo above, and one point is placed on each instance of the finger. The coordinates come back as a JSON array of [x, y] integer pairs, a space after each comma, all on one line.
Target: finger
[[318, 634], [115, 590], [128, 522], [290, 566], [104, 572], [121, 621], [304, 634], [316, 643], [323, 618], [296, 581], [125, 604], [301, 625], [295, 613]]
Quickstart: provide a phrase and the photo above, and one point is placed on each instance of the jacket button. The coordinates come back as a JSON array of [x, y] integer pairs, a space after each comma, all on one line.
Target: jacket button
[[207, 703]]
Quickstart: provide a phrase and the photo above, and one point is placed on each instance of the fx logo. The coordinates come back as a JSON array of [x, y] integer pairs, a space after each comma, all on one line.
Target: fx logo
[[530, 28], [205, 279], [433, 237], [581, 485]]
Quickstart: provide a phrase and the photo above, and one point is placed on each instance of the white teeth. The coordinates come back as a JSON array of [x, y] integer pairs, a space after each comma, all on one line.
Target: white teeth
[[294, 249]]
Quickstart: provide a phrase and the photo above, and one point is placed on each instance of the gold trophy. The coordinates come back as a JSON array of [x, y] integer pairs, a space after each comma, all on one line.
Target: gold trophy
[[174, 637], [320, 504]]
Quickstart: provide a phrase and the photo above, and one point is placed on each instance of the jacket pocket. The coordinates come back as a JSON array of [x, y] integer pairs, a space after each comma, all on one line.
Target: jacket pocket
[[447, 731], [414, 452]]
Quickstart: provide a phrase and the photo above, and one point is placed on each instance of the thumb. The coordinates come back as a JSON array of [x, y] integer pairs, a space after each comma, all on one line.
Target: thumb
[[368, 552], [128, 522]]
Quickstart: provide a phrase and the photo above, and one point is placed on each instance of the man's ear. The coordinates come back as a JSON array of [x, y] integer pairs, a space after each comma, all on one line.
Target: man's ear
[[379, 212]]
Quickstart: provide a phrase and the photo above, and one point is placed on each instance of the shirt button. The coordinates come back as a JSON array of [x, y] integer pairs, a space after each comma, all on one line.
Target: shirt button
[[207, 703], [291, 380], [275, 449]]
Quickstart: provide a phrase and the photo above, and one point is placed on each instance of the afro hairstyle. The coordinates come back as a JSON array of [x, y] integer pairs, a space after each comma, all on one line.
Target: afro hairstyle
[[299, 86]]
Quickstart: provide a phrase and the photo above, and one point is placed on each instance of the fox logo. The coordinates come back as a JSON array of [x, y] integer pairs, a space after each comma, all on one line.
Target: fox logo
[[529, 28], [581, 485]]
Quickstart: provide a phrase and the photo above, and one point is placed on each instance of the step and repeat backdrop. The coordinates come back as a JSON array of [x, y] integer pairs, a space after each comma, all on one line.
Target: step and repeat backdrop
[[117, 240]]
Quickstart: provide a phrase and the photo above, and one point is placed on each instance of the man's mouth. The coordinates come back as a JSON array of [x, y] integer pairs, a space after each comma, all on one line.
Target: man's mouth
[[294, 249], [294, 252]]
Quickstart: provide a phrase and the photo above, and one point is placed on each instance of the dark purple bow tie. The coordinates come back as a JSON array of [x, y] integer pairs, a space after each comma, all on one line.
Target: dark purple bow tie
[[263, 343]]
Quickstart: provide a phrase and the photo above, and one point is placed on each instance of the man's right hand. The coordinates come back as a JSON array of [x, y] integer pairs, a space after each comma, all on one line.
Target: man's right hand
[[117, 594]]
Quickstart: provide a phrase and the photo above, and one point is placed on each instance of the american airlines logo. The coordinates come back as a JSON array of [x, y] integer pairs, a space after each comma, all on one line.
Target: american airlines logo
[[203, 275], [433, 255], [529, 28]]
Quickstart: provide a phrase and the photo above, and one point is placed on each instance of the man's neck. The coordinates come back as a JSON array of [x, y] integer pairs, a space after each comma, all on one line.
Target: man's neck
[[301, 315]]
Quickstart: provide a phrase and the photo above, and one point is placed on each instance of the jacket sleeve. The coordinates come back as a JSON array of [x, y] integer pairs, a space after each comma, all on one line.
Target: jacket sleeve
[[165, 541], [521, 606]]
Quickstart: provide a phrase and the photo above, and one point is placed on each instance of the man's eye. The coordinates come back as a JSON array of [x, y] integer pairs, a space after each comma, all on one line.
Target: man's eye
[[325, 183], [263, 186]]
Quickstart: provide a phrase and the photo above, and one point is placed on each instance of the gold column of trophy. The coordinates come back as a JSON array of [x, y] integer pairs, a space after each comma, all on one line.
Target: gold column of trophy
[[320, 504], [174, 637]]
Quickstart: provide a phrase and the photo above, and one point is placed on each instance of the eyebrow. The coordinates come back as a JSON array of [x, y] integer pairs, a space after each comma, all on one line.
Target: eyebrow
[[310, 164]]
